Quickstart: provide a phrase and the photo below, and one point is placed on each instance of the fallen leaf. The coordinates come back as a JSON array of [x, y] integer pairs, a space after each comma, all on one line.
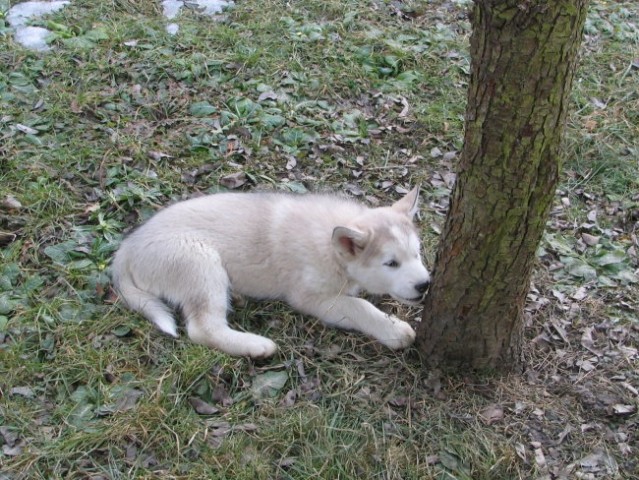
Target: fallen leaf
[[404, 111], [246, 427], [587, 342], [291, 163], [153, 155], [432, 459], [599, 461], [491, 414], [625, 449], [234, 180], [452, 462], [354, 190], [579, 294], [590, 240], [201, 407], [289, 399], [10, 438], [434, 384], [585, 365], [559, 296], [128, 400], [449, 178], [560, 330], [311, 389], [333, 351], [401, 401], [12, 451], [221, 395], [520, 450], [286, 462], [26, 130], [540, 458], [131, 452], [267, 96], [219, 429], [449, 156], [620, 409], [7, 238], [590, 125], [630, 388]]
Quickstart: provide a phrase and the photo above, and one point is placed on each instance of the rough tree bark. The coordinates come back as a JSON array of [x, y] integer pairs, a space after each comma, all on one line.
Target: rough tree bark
[[523, 56]]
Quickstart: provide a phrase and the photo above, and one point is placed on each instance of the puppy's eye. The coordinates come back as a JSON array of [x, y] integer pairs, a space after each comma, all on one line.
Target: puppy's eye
[[392, 264]]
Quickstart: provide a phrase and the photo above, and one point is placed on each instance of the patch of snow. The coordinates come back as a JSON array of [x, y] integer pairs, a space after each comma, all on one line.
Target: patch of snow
[[171, 9], [172, 28], [20, 14], [33, 38], [211, 7]]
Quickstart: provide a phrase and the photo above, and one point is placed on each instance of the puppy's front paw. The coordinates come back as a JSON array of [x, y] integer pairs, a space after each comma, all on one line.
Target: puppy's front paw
[[400, 334], [260, 347]]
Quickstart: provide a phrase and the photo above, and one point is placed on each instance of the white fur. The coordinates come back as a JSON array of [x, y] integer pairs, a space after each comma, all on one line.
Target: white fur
[[313, 251]]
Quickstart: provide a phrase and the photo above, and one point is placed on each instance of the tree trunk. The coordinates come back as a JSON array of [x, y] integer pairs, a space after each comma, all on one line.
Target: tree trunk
[[523, 60]]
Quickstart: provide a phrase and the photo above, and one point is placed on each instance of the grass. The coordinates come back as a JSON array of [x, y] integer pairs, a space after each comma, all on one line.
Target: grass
[[127, 118]]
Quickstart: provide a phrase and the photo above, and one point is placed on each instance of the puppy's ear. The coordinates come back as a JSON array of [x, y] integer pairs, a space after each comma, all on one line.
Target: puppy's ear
[[349, 242], [408, 205]]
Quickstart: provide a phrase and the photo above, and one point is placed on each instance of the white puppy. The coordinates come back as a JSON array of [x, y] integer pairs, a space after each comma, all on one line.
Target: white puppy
[[316, 252]]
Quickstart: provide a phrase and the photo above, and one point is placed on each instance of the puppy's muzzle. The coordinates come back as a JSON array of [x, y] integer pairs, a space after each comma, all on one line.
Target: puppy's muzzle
[[423, 287]]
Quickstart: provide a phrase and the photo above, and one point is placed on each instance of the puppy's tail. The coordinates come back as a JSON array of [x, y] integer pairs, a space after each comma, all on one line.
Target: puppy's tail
[[149, 305]]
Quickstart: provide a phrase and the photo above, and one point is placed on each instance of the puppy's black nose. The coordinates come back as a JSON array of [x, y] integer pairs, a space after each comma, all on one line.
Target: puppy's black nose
[[422, 287]]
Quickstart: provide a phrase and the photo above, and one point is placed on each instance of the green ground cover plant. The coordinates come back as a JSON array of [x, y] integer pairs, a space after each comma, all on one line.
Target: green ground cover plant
[[360, 96]]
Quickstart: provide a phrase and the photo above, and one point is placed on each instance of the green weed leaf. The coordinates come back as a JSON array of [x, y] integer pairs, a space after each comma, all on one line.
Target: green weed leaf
[[6, 304], [269, 384], [61, 252], [202, 109], [579, 268], [610, 257]]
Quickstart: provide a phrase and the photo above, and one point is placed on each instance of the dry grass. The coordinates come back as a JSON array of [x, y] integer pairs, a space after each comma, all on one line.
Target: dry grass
[[89, 390]]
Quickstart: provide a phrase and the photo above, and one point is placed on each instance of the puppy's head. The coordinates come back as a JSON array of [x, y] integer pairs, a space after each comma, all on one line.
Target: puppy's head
[[381, 251]]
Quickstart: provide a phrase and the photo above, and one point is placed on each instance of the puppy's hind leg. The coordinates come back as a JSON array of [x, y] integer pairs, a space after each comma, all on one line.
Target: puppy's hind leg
[[205, 313], [148, 305]]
